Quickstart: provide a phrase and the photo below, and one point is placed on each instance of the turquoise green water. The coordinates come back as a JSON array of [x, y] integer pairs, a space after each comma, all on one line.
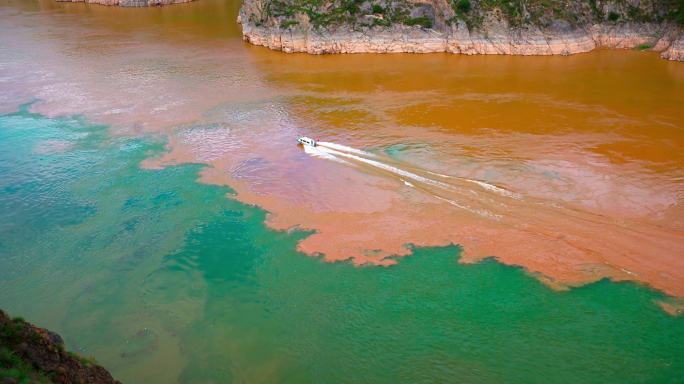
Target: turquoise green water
[[163, 279]]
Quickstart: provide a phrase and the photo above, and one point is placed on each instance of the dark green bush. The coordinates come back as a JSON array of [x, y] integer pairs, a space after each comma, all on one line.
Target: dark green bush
[[377, 9], [12, 367], [463, 6], [423, 21], [351, 6], [381, 22], [10, 332], [612, 16], [598, 14], [679, 13]]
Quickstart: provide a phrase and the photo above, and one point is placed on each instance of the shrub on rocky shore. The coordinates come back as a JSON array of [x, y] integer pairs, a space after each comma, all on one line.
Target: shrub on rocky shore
[[29, 354]]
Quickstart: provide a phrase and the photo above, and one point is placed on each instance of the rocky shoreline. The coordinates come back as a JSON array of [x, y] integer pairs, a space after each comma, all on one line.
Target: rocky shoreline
[[463, 26], [129, 3], [668, 40], [29, 354]]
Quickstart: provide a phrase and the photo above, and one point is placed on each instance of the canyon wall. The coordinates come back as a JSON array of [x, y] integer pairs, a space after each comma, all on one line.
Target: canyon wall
[[292, 27]]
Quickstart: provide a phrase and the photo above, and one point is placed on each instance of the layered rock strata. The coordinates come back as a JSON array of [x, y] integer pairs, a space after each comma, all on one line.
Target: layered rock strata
[[459, 39], [553, 27]]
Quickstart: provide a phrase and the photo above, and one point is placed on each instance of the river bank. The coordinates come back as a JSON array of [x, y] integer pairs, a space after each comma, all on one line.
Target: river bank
[[441, 26], [460, 41]]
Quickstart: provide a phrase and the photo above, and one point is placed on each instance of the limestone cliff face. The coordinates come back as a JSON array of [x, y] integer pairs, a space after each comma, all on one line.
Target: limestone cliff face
[[461, 40], [676, 50], [421, 26], [129, 3]]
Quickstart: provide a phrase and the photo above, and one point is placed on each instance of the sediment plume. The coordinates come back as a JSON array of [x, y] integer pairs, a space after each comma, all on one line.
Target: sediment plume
[[563, 244], [589, 153]]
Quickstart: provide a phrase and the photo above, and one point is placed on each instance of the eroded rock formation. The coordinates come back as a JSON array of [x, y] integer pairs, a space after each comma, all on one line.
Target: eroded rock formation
[[558, 27]]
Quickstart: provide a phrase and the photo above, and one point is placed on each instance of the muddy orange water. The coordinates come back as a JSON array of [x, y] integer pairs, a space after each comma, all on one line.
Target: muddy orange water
[[571, 167]]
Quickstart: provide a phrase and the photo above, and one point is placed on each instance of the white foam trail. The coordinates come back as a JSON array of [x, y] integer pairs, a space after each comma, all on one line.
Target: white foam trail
[[487, 186], [481, 212], [315, 152], [325, 150], [440, 175], [495, 189], [388, 168], [344, 148], [484, 185]]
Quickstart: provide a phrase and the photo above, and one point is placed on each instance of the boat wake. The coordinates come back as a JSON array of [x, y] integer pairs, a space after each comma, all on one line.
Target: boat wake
[[316, 152], [456, 191], [487, 186], [345, 148]]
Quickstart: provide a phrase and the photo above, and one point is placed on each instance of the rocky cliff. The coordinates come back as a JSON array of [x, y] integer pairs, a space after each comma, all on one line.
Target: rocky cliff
[[129, 3], [517, 27], [29, 354]]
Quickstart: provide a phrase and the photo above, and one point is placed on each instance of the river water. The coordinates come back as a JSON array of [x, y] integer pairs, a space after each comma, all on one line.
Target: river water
[[470, 219]]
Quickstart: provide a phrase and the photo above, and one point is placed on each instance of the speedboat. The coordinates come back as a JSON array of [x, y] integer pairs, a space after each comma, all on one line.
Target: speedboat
[[303, 140]]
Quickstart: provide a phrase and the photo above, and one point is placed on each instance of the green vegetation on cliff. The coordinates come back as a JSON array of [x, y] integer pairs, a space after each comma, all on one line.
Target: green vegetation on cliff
[[439, 14], [29, 354]]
